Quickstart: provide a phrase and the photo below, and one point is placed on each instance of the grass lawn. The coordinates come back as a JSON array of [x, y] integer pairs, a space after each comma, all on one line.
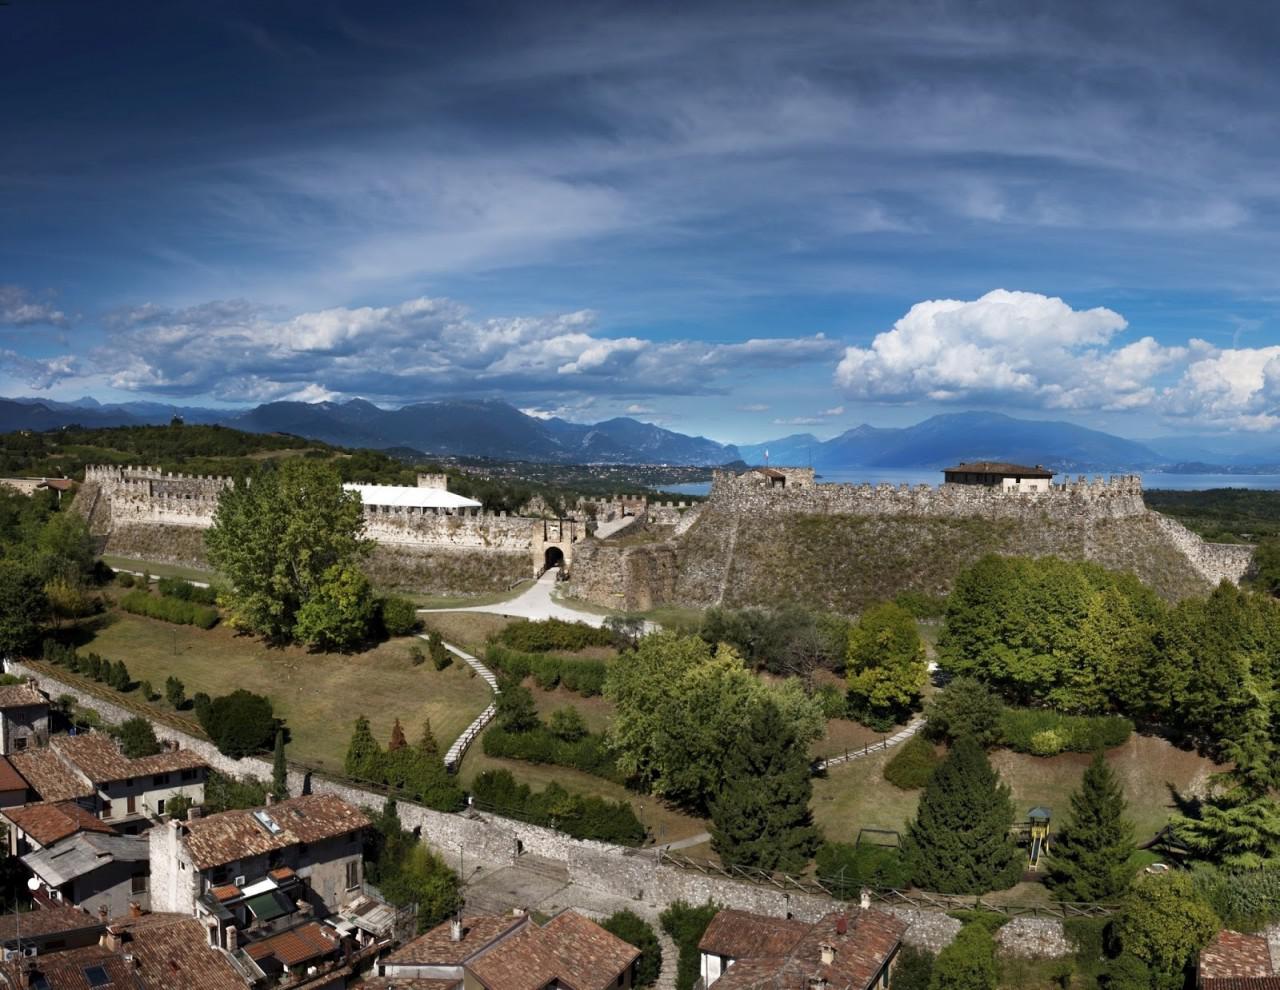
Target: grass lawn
[[159, 570], [469, 630], [465, 601], [665, 824], [318, 695], [856, 794]]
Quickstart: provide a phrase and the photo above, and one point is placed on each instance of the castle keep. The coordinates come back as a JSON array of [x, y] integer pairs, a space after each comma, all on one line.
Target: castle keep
[[427, 537]]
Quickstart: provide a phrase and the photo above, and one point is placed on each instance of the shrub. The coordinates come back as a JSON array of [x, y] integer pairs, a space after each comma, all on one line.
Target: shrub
[[968, 963], [175, 691], [124, 579], [832, 701], [634, 930], [138, 738], [441, 657], [416, 656], [222, 792], [240, 724], [148, 692], [567, 724], [174, 610], [965, 707], [911, 765], [914, 969], [922, 605], [186, 591], [581, 816], [847, 868], [1245, 901], [1047, 743], [178, 807], [686, 925], [399, 615], [588, 753], [584, 677], [553, 634], [1077, 733], [515, 708]]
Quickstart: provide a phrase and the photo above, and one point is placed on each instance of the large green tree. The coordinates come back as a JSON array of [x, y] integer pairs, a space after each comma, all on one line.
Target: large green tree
[[1089, 858], [968, 963], [23, 607], [277, 536], [1164, 921], [761, 815], [959, 841], [681, 708], [340, 611], [886, 661]]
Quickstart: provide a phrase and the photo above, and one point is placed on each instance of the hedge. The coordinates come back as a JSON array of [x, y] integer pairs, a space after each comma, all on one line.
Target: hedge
[[174, 610], [578, 815], [912, 764], [553, 634], [586, 677], [540, 745], [187, 592], [1046, 733]]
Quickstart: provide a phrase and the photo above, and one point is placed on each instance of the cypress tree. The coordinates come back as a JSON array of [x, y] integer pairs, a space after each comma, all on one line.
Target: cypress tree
[[761, 816], [959, 841], [1089, 859], [428, 748], [364, 755], [279, 769], [397, 738]]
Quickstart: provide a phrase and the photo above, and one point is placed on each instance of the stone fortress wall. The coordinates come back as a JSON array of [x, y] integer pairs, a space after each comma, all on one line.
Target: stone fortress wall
[[131, 506]]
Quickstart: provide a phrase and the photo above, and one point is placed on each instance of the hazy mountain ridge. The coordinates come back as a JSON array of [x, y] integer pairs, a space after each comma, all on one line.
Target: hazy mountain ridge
[[491, 428]]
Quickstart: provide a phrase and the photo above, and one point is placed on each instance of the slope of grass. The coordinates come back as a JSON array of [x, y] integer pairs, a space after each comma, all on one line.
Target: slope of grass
[[318, 694]]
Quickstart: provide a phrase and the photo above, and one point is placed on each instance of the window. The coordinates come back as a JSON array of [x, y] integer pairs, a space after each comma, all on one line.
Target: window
[[138, 884], [159, 780], [20, 742], [189, 774], [106, 809], [96, 976], [131, 805], [353, 874], [160, 806]]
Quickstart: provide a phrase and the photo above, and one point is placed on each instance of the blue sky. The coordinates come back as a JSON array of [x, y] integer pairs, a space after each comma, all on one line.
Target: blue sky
[[740, 219]]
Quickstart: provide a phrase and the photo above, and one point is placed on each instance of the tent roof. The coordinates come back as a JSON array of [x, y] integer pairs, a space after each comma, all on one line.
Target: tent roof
[[404, 496]]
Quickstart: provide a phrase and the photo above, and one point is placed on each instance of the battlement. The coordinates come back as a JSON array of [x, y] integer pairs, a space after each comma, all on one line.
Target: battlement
[[774, 491]]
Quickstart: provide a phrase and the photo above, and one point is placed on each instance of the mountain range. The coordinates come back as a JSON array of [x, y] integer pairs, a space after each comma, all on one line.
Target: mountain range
[[490, 428]]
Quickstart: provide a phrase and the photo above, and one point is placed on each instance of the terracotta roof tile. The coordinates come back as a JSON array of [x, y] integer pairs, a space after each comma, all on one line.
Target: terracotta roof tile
[[280, 873], [69, 969], [570, 949], [45, 921], [52, 779], [172, 950], [406, 983], [226, 892], [100, 759], [47, 822], [1243, 983], [296, 946], [1234, 954], [436, 948], [10, 779], [1001, 468], [233, 835], [20, 696], [861, 951]]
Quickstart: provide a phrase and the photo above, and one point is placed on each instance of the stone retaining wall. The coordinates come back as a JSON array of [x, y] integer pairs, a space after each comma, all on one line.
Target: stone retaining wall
[[496, 841]]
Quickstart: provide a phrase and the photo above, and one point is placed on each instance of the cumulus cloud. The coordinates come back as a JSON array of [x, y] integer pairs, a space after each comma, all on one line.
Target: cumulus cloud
[[1033, 349], [1234, 388], [234, 350], [19, 309]]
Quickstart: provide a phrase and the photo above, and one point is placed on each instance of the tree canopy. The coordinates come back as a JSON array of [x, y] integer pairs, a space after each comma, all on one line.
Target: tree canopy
[[885, 661], [279, 538], [1089, 858]]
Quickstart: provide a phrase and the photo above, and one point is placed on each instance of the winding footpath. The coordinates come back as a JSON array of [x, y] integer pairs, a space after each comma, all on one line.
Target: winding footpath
[[454, 756], [901, 736]]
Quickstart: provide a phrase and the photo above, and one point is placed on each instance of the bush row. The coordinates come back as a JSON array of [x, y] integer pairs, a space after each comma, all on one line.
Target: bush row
[[186, 591], [553, 634], [169, 609], [541, 745], [586, 677], [580, 816], [114, 675], [1046, 733]]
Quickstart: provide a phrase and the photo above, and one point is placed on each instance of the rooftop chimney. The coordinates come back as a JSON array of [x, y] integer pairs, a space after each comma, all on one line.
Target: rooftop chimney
[[113, 938], [842, 924], [828, 952], [455, 931], [233, 939], [864, 899], [103, 913], [135, 909], [271, 799]]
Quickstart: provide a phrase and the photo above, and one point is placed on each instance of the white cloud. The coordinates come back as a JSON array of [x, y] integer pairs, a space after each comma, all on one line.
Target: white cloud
[[19, 309], [753, 407], [833, 411], [237, 351], [1237, 388], [1023, 346], [639, 409]]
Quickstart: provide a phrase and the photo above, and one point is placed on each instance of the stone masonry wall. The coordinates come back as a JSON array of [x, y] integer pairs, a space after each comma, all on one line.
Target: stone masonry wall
[[496, 841], [627, 578]]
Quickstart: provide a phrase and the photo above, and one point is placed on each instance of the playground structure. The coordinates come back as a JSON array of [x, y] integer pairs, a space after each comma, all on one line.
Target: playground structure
[[1038, 823]]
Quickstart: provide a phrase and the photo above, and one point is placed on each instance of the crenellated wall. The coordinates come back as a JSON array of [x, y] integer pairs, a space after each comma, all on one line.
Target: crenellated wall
[[140, 508]]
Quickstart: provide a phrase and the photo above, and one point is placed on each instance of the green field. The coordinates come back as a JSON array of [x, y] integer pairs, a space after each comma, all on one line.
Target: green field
[[318, 694], [856, 795]]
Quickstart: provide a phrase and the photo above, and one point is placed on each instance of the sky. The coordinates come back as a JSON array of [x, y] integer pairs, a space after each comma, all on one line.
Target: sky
[[739, 219]]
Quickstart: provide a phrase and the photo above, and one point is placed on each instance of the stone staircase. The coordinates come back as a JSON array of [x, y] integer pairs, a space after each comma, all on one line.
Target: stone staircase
[[456, 751], [670, 957]]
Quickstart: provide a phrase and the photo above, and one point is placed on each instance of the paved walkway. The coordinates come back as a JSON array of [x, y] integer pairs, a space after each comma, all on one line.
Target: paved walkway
[[535, 602], [901, 736], [459, 747]]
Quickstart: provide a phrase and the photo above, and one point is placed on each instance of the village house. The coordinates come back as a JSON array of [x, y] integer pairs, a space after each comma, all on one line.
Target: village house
[[94, 871], [512, 952], [14, 789], [33, 827], [999, 474], [250, 873], [51, 779], [844, 951], [24, 717], [51, 929], [1237, 961], [131, 793]]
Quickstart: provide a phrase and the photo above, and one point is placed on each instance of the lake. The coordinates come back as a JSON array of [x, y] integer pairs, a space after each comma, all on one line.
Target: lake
[[918, 476]]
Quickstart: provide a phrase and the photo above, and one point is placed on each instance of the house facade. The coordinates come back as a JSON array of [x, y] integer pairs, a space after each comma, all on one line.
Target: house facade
[[24, 718], [94, 872], [1000, 474]]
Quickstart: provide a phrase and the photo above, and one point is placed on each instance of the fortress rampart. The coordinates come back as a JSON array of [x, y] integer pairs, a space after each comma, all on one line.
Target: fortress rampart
[[136, 499]]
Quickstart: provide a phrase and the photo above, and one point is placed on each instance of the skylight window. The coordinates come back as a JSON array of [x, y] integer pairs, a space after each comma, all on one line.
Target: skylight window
[[97, 976]]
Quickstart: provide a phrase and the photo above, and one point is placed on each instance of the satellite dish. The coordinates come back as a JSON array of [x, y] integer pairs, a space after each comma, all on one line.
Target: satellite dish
[[33, 884]]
